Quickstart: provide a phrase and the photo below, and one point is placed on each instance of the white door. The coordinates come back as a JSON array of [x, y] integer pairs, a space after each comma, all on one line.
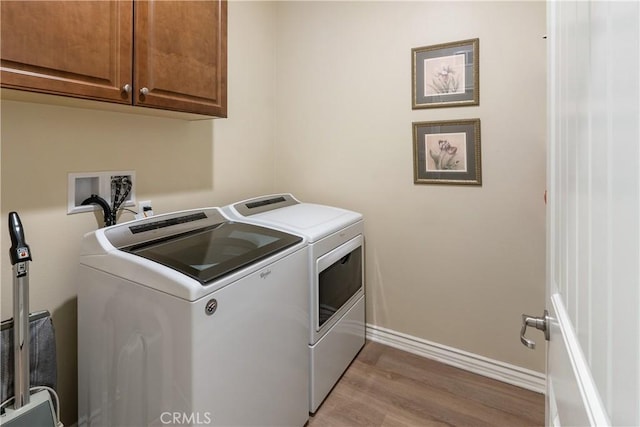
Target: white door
[[593, 214]]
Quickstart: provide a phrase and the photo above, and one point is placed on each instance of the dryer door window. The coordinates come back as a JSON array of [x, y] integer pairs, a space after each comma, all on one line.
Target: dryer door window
[[340, 280]]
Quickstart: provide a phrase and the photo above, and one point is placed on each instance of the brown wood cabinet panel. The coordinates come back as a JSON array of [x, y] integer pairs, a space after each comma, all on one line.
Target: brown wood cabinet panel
[[85, 49], [181, 56], [75, 48]]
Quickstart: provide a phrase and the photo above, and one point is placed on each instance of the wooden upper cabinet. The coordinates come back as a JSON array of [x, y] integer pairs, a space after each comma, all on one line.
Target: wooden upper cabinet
[[172, 56], [180, 58], [76, 48]]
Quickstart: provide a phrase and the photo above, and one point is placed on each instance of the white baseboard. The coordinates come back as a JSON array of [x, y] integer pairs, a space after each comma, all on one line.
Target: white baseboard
[[501, 371]]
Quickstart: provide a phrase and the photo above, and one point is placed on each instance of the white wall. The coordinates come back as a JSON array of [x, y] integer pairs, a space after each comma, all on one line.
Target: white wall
[[450, 264], [178, 165]]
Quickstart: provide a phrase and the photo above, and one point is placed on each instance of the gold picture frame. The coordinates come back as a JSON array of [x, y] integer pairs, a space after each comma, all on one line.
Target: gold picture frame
[[446, 75], [447, 152]]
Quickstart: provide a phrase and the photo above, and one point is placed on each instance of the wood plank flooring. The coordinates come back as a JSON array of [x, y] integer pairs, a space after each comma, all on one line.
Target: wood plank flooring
[[392, 388]]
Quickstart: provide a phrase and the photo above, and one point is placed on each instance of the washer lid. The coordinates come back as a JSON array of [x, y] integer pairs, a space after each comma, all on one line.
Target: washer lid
[[209, 253]]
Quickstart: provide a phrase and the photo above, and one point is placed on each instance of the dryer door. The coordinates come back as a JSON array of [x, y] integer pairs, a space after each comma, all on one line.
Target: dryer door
[[340, 278]]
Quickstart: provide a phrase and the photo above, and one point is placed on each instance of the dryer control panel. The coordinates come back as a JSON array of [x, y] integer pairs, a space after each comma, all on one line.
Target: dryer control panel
[[264, 204]]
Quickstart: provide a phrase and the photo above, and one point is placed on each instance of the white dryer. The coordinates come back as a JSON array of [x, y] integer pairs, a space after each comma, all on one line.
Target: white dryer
[[336, 279], [189, 319]]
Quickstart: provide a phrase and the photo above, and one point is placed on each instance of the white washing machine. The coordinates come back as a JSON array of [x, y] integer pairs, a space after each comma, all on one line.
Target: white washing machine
[[189, 319], [336, 280]]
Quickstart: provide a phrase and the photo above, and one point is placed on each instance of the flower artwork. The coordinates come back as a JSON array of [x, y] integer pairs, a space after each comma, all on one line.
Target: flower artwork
[[446, 152], [444, 75]]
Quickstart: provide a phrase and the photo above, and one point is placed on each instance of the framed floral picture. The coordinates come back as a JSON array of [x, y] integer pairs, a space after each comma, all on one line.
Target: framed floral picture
[[445, 75], [447, 152]]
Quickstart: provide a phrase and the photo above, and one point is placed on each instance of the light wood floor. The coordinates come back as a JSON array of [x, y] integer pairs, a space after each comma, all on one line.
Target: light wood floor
[[389, 387]]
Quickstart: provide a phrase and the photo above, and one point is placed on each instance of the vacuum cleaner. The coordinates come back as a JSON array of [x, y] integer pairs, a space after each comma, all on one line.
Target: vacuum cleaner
[[29, 406]]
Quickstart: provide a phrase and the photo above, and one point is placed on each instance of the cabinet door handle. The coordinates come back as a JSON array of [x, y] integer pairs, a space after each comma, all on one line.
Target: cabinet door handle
[[126, 88], [144, 91]]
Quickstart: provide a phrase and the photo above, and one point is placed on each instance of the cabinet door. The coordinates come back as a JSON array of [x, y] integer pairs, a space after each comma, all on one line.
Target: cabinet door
[[180, 58], [76, 48]]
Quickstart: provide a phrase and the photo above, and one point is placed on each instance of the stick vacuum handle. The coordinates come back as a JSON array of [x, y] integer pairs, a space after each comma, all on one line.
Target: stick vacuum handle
[[19, 251]]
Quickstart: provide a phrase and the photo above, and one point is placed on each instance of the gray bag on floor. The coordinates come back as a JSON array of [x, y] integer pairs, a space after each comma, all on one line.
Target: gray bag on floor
[[42, 354]]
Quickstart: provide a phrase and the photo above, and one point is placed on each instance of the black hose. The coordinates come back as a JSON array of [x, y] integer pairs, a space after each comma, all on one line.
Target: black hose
[[94, 199]]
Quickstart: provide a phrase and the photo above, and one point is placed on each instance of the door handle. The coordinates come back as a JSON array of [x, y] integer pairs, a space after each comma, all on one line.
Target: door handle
[[541, 323]]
